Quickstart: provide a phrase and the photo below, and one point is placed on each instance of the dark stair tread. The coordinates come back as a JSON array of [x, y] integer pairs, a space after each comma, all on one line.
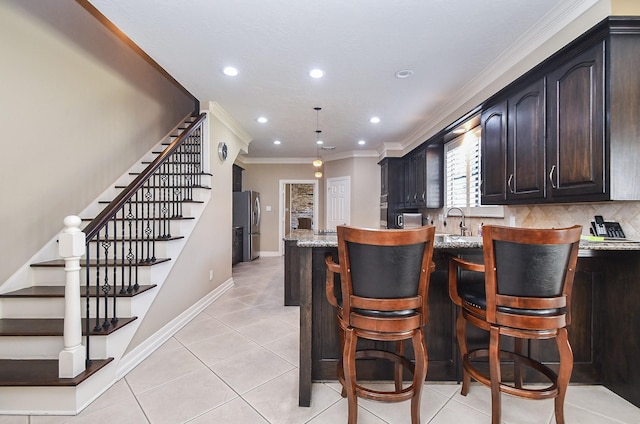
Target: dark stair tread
[[106, 202], [120, 187], [206, 174], [58, 291], [156, 218], [51, 326], [177, 162], [42, 372], [139, 239], [60, 263]]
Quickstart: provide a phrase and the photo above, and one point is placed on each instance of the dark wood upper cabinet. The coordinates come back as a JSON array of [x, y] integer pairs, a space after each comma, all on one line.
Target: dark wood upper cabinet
[[569, 130], [576, 127], [392, 182], [526, 143], [513, 148], [424, 177], [434, 176], [494, 154], [237, 178]]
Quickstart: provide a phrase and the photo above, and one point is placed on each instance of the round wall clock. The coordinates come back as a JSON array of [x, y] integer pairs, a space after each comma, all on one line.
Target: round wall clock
[[222, 151]]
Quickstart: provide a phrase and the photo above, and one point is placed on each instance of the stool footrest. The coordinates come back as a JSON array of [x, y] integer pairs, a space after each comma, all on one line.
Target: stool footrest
[[546, 392]]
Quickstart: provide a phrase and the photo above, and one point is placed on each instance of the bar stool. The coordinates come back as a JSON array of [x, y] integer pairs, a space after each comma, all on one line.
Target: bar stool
[[384, 282], [528, 278]]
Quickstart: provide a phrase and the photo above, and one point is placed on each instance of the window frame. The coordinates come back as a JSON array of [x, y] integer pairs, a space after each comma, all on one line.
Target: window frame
[[489, 211]]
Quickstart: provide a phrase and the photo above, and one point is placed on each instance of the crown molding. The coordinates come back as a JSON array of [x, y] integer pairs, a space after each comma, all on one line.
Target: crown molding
[[216, 110], [307, 160], [548, 26]]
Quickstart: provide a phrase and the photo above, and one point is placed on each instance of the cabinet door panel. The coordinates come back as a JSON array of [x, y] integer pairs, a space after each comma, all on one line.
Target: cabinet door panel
[[421, 177], [576, 126], [526, 143], [494, 154]]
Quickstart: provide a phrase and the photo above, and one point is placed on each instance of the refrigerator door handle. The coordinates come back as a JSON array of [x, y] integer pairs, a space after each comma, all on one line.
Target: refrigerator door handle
[[256, 212]]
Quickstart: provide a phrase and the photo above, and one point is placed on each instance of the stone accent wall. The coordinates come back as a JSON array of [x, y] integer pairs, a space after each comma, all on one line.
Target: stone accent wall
[[301, 203]]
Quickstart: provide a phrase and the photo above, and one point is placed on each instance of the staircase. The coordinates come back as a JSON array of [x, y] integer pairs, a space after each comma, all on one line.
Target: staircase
[[130, 245]]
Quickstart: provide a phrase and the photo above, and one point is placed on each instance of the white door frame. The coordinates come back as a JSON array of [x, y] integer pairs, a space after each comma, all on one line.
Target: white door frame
[[281, 212]]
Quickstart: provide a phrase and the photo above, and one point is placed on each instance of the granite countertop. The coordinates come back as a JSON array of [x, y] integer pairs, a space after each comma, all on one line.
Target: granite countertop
[[309, 238]]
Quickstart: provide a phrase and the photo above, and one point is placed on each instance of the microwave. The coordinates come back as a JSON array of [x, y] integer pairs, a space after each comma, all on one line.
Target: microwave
[[409, 220]]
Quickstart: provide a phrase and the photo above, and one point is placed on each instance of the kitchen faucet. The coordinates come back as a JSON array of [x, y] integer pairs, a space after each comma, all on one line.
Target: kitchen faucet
[[463, 227]]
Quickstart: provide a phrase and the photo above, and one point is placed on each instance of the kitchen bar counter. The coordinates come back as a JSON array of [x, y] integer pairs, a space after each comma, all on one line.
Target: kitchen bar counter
[[309, 238], [603, 332]]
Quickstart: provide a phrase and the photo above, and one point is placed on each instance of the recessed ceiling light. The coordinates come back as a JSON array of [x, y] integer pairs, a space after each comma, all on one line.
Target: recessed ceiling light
[[362, 142], [319, 142], [276, 141], [403, 73], [230, 71], [316, 73], [262, 120], [374, 120]]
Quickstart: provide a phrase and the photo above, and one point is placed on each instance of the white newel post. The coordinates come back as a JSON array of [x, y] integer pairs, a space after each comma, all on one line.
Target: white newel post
[[71, 248]]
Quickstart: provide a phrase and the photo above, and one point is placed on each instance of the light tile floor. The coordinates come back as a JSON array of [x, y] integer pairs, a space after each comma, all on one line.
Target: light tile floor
[[236, 363]]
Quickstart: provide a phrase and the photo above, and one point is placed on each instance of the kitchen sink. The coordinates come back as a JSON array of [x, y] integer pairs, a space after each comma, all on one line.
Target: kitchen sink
[[442, 237]]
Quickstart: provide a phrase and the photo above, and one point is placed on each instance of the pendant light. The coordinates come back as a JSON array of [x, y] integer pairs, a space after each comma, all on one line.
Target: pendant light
[[317, 163]]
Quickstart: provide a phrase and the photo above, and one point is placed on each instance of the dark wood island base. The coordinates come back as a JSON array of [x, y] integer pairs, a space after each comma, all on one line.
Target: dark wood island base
[[603, 333]]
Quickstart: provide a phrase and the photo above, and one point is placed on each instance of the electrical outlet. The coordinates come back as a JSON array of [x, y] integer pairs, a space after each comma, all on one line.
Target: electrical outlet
[[210, 275], [440, 217], [512, 221]]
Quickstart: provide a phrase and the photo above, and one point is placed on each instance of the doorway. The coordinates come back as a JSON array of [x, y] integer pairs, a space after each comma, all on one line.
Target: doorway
[[298, 205]]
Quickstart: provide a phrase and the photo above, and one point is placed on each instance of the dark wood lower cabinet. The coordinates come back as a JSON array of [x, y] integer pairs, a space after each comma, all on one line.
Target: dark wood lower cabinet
[[291, 290], [603, 331]]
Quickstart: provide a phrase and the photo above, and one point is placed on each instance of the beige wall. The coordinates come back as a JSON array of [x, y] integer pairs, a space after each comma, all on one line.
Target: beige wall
[[77, 108], [365, 192], [625, 7], [265, 179], [365, 188]]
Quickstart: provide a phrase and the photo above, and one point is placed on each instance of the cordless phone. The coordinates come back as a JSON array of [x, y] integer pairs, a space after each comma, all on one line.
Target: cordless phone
[[609, 230]]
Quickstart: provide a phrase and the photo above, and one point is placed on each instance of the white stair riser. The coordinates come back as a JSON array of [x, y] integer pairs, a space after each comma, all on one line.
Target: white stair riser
[[138, 249], [21, 347], [54, 307], [156, 228], [157, 193], [49, 347], [19, 400], [55, 276]]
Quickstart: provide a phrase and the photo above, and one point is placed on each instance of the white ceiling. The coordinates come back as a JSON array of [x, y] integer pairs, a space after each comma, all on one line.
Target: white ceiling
[[360, 44]]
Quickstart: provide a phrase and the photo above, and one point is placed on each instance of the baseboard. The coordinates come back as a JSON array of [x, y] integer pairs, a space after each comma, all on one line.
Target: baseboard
[[140, 353]]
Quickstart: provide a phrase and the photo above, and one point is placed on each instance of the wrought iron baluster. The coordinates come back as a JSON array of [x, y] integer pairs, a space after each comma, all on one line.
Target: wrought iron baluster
[[97, 283], [136, 259], [154, 217], [164, 212], [129, 256], [106, 245], [147, 230]]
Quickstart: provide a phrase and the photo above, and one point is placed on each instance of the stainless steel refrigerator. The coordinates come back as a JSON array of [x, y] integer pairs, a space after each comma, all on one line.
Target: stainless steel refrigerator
[[246, 214]]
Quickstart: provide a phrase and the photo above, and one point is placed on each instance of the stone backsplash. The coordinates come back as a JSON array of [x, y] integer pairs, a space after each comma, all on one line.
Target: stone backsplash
[[551, 216]]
